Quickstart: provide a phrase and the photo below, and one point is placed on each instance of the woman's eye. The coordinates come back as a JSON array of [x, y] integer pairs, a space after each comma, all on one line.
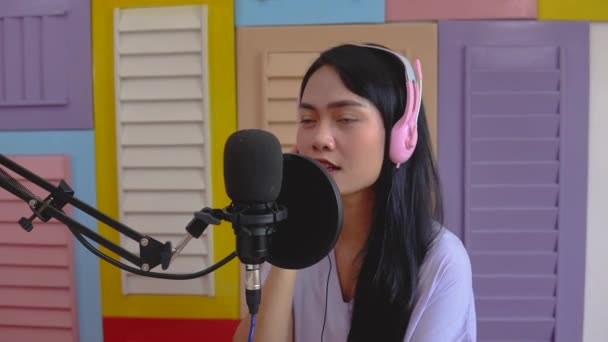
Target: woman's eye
[[347, 120], [306, 121]]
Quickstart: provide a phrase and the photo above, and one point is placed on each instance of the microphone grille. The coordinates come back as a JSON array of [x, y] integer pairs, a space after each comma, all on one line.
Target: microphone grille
[[253, 166]]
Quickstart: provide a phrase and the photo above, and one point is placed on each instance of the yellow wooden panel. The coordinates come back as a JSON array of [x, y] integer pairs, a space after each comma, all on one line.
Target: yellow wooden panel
[[225, 303], [592, 10]]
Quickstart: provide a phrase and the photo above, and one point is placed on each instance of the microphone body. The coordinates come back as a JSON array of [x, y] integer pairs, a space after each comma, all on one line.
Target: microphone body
[[253, 170]]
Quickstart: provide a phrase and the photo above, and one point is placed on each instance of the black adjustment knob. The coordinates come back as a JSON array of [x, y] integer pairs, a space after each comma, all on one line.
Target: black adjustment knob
[[26, 223]]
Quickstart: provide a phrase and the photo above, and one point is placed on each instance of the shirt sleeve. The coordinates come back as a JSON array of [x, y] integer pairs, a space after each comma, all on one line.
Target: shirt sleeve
[[449, 312]]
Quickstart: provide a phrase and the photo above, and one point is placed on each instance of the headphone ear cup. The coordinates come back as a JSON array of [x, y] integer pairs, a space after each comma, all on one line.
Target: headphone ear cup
[[399, 151], [404, 138]]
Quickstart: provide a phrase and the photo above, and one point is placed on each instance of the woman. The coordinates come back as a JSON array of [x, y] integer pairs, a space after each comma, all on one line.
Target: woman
[[395, 273]]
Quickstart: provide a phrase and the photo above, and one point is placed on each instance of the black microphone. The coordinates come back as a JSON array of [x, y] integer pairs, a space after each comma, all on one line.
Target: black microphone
[[253, 172], [286, 208]]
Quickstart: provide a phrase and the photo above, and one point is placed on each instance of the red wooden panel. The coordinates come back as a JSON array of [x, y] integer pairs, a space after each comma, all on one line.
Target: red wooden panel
[[37, 280], [123, 329]]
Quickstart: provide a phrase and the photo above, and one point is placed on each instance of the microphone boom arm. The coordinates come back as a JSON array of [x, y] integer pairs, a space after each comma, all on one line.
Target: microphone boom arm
[[152, 252]]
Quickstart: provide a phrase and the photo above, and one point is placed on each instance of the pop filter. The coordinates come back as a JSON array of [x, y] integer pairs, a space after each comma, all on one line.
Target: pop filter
[[315, 214]]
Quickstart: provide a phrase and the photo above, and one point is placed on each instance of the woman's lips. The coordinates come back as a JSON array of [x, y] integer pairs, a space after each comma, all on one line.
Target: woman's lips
[[329, 166]]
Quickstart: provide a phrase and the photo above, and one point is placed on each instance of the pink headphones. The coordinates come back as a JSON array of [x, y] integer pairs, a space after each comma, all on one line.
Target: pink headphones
[[404, 135]]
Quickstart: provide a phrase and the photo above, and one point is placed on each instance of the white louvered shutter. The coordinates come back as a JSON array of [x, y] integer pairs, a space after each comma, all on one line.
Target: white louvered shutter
[[162, 126]]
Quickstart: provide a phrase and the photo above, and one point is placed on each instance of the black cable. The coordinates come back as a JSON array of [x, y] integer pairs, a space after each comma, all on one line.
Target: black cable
[[172, 276], [326, 295]]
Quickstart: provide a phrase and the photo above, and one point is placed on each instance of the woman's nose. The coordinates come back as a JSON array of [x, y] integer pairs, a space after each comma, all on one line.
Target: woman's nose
[[324, 138]]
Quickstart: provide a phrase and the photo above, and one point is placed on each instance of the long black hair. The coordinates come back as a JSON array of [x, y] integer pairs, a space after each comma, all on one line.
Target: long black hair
[[407, 207]]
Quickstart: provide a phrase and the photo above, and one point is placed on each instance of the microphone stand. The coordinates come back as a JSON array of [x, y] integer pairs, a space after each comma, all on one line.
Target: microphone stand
[[252, 224], [152, 252]]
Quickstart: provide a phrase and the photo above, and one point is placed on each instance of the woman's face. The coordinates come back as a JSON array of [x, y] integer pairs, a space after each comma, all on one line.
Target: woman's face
[[341, 130]]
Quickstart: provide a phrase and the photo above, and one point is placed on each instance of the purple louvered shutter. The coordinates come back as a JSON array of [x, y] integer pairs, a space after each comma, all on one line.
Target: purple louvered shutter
[[45, 65], [512, 148]]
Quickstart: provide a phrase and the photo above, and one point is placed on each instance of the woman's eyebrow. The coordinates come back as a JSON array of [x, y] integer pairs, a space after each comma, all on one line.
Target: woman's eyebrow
[[336, 104]]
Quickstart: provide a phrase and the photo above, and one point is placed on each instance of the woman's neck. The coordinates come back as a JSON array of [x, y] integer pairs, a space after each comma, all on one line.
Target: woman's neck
[[358, 209]]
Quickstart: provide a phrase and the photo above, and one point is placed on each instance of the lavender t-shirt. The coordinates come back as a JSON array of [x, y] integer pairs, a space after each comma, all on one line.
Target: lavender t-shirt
[[444, 308]]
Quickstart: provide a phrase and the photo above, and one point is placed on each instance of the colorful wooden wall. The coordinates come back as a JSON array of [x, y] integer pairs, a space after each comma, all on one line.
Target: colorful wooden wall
[[110, 88]]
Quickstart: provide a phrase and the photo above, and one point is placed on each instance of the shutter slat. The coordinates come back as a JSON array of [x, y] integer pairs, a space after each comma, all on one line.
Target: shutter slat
[[517, 241], [515, 57], [515, 102], [163, 134], [163, 201], [160, 65], [281, 111], [181, 156], [512, 195], [514, 172], [31, 276], [515, 80], [169, 18], [514, 263], [11, 333], [513, 218], [161, 88], [515, 126], [514, 285], [516, 329], [147, 179], [289, 64], [285, 132], [41, 298], [283, 88], [485, 149], [177, 42], [34, 318], [521, 307], [161, 111], [53, 256]]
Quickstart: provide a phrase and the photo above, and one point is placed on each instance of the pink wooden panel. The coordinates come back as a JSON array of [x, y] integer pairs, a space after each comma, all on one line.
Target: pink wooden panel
[[37, 279], [399, 10]]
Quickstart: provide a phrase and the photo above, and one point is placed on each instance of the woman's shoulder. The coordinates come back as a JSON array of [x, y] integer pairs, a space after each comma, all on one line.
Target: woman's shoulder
[[447, 259], [444, 296]]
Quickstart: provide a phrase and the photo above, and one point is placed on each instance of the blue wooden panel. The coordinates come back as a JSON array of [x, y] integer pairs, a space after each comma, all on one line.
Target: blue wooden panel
[[298, 12], [80, 146]]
